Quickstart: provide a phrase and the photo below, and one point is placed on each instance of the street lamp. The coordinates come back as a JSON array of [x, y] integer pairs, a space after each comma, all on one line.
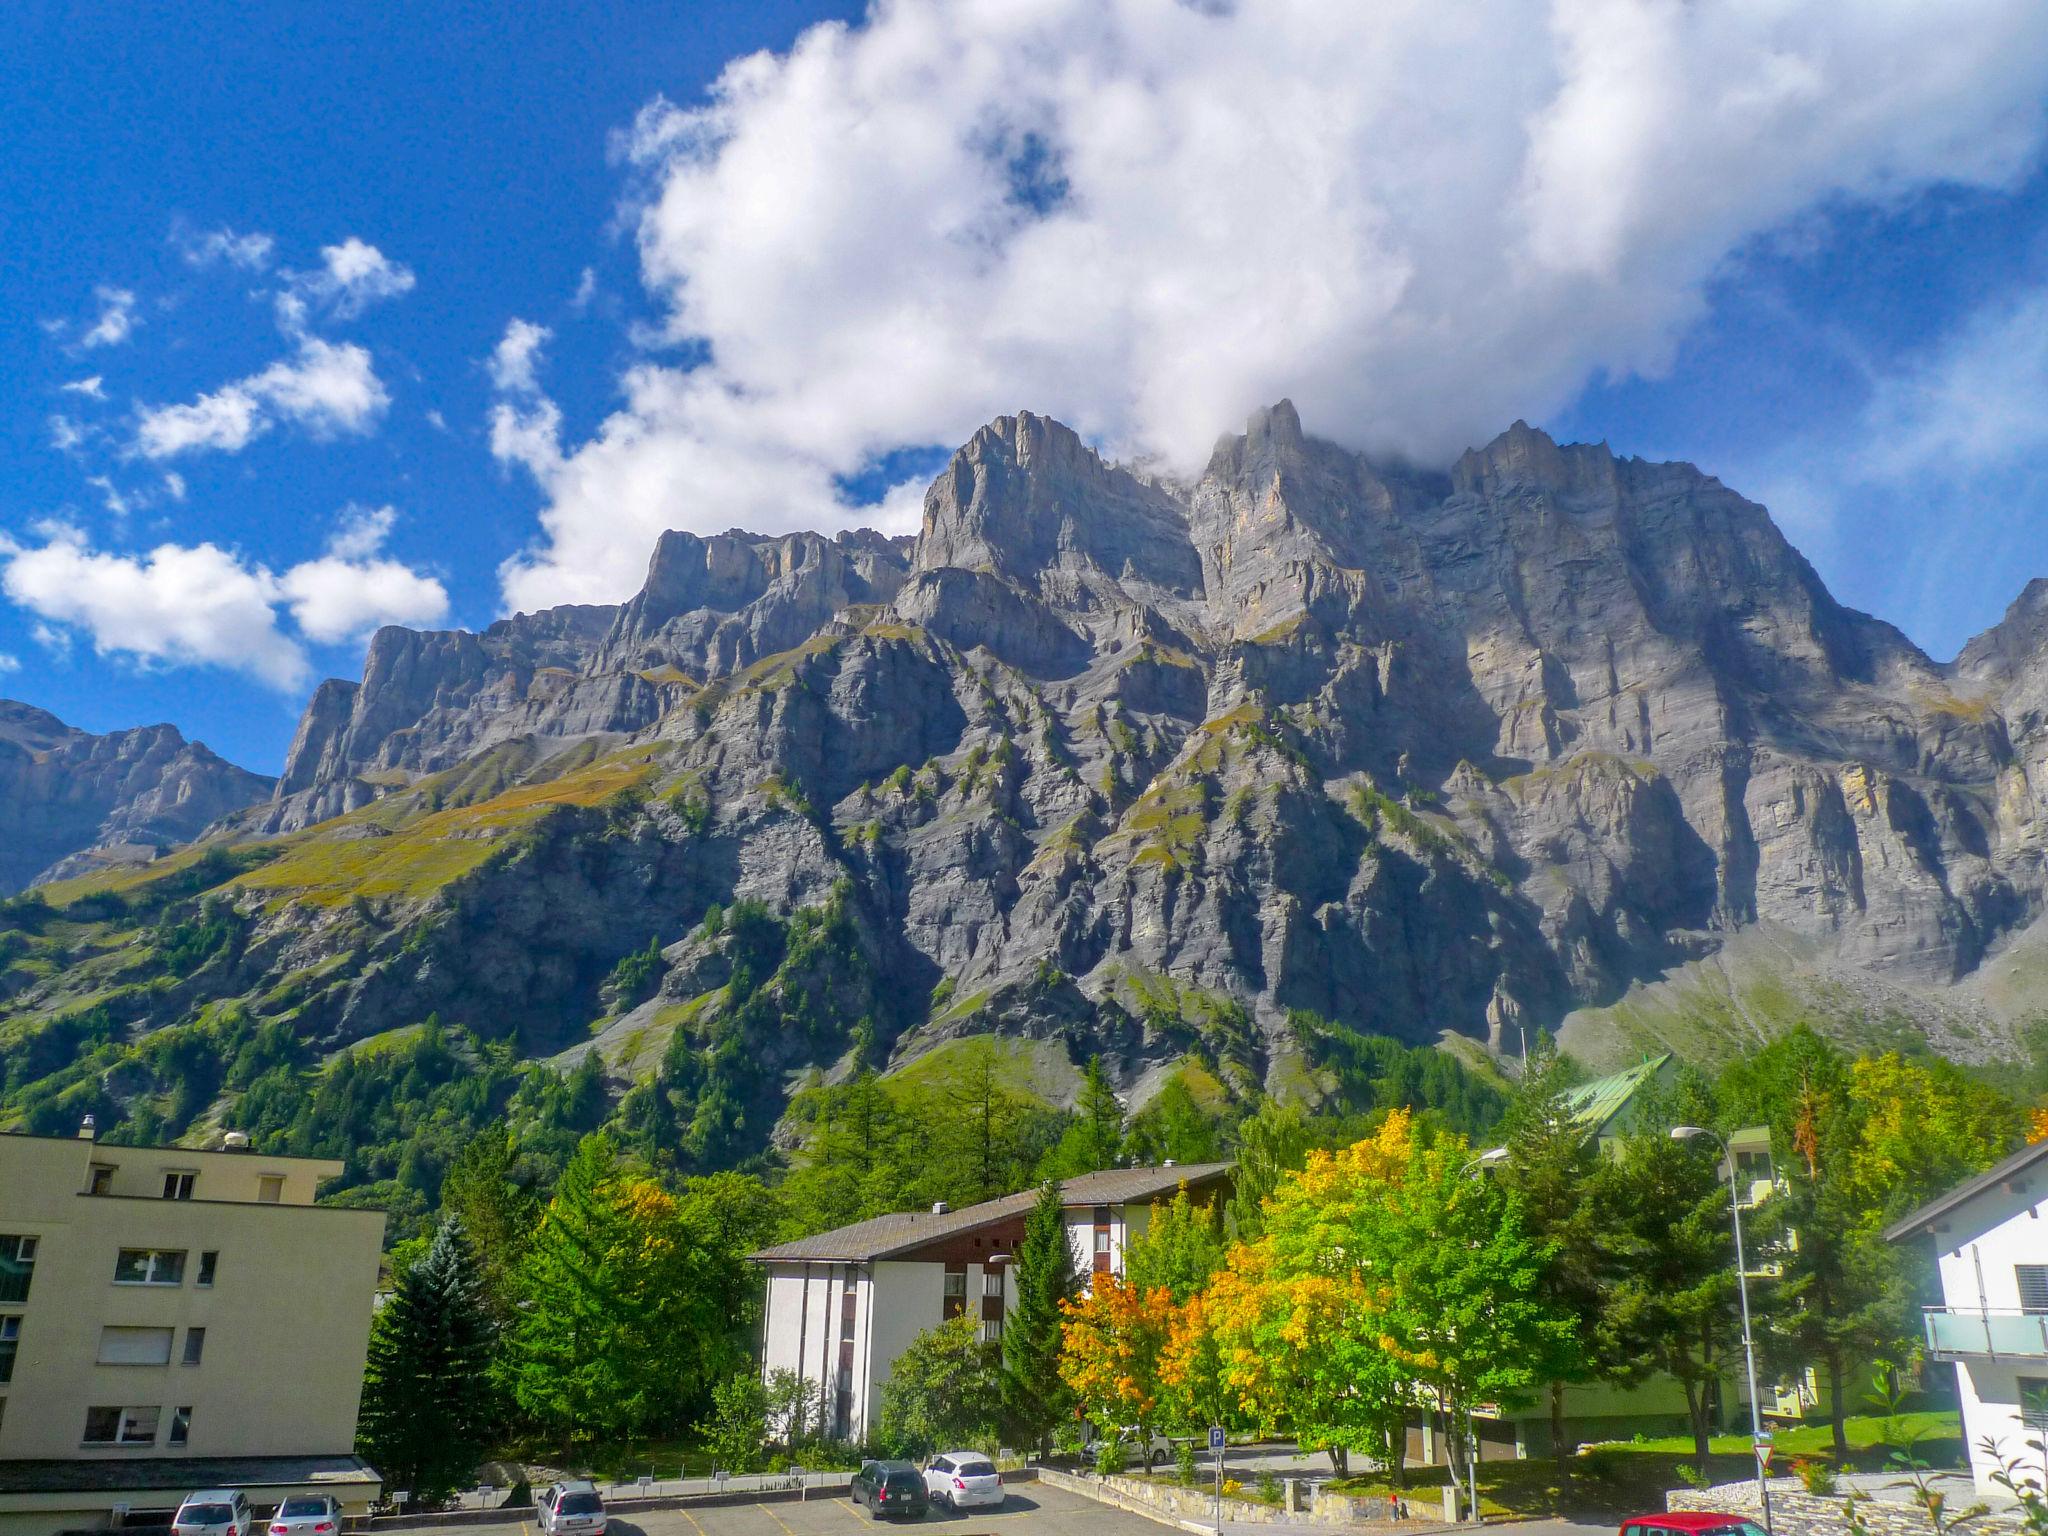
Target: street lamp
[[1492, 1157], [1756, 1412]]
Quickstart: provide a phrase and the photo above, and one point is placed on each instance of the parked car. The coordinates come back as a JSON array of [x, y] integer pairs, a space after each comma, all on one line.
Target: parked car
[[890, 1488], [570, 1508], [963, 1480], [215, 1512], [1690, 1522], [318, 1515]]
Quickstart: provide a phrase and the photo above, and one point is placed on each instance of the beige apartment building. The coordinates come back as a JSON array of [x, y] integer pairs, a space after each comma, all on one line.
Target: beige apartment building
[[172, 1320]]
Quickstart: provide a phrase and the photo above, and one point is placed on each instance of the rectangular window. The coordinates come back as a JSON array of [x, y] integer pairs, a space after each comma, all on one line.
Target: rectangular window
[[1101, 1257], [178, 1186], [17, 1266], [100, 1181], [207, 1262], [2034, 1402], [150, 1266], [992, 1330], [2033, 1279], [195, 1345], [954, 1300], [135, 1346], [121, 1426], [181, 1425], [270, 1188], [10, 1340]]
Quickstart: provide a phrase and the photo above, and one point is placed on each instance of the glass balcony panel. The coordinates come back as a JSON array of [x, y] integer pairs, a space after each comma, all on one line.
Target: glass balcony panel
[[2001, 1331]]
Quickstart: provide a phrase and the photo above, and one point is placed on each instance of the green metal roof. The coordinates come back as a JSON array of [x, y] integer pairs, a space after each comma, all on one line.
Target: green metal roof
[[1593, 1105]]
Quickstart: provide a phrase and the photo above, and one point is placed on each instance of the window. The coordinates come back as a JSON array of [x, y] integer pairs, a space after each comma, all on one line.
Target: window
[[195, 1345], [992, 1330], [100, 1181], [121, 1426], [207, 1261], [150, 1266], [2033, 1279], [270, 1188], [17, 1266], [955, 1294], [10, 1340], [135, 1346], [181, 1425], [2034, 1402], [178, 1186], [1101, 1264]]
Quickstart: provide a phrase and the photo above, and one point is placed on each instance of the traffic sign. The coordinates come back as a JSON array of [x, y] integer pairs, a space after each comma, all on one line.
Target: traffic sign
[[1216, 1437]]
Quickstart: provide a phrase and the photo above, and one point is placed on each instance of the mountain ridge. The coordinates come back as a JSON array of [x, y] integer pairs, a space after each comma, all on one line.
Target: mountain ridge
[[1138, 767]]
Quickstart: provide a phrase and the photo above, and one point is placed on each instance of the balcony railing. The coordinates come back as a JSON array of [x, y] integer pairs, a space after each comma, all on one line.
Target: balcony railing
[[1977, 1331]]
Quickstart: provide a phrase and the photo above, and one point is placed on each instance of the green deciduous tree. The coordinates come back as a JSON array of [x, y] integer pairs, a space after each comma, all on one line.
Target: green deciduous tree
[[1096, 1138], [1033, 1395], [944, 1390], [632, 1300], [738, 1424], [427, 1398], [1181, 1247], [498, 1212], [1271, 1143]]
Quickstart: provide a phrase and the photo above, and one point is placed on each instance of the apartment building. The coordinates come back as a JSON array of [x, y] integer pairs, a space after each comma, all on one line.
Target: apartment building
[[1991, 1251], [173, 1319], [843, 1305]]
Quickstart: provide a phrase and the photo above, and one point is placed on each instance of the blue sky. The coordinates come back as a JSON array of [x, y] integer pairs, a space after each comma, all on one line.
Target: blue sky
[[319, 317]]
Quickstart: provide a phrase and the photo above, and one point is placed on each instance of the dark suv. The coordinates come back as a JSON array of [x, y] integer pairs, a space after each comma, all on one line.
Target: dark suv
[[890, 1488]]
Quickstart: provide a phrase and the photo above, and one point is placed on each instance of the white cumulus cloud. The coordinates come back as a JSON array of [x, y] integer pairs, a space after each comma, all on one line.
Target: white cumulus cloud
[[201, 605], [352, 276], [250, 252], [92, 388], [1149, 217], [116, 322], [327, 388], [516, 355]]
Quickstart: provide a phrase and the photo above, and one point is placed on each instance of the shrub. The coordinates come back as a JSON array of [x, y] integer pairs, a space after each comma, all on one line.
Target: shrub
[[1817, 1477], [1184, 1462], [1269, 1488], [1109, 1458]]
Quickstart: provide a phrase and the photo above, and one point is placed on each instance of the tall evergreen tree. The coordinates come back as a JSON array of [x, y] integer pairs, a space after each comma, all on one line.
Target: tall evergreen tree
[[427, 1400], [1096, 1138], [497, 1214], [1035, 1397]]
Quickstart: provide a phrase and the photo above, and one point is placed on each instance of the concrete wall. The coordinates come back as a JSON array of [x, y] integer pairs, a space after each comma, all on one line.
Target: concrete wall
[[909, 1298]]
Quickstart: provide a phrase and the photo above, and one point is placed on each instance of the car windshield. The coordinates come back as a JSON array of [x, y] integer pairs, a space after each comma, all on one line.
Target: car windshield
[[206, 1514], [579, 1504], [975, 1469], [301, 1509]]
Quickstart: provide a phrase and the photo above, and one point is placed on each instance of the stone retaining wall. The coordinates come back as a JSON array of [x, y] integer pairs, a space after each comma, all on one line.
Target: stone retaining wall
[[1795, 1512], [1197, 1506]]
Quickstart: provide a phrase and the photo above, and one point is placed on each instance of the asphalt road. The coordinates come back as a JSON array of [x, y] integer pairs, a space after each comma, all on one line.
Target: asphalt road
[[1029, 1510]]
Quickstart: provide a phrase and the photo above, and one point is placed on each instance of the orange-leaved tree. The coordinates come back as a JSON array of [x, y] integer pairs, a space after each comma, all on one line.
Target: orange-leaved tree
[[1109, 1353]]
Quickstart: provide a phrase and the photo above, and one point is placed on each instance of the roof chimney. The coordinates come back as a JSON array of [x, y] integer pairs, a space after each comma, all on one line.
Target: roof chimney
[[87, 1130], [940, 1208]]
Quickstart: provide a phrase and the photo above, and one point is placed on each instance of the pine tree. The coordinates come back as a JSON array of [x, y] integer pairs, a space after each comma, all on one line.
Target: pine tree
[[1096, 1137], [427, 1402], [497, 1214], [1035, 1397]]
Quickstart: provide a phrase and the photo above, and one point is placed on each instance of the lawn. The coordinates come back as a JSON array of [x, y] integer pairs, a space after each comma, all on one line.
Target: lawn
[[1936, 1437]]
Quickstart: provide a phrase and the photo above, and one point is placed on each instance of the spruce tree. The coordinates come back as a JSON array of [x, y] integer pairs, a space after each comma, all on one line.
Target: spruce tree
[[1035, 1397], [497, 1213], [427, 1400]]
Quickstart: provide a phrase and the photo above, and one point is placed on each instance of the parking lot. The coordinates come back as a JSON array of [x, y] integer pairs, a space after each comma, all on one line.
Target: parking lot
[[1029, 1510]]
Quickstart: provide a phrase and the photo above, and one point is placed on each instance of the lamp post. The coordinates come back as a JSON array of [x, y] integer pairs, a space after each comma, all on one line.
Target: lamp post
[[1492, 1157], [1756, 1412]]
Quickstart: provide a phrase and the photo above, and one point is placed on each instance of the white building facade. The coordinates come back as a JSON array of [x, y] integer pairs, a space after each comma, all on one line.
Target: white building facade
[[843, 1305], [1990, 1237]]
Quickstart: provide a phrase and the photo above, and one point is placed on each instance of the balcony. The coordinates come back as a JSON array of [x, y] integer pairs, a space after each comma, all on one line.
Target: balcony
[[1976, 1333]]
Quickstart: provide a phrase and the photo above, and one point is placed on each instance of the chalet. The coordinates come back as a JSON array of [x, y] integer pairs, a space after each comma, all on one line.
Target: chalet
[[1991, 1249], [842, 1305]]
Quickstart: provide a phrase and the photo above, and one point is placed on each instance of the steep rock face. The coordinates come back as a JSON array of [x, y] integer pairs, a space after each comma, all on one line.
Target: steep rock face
[[71, 801], [1416, 751]]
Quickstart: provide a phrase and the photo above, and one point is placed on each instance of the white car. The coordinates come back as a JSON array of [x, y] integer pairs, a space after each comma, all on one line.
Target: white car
[[308, 1515], [215, 1512], [570, 1509], [963, 1480]]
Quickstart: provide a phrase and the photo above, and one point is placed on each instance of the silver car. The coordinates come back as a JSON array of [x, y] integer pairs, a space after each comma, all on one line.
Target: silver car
[[571, 1509], [216, 1512], [315, 1515]]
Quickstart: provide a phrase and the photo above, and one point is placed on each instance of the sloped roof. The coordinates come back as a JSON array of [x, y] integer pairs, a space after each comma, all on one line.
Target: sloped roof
[[1924, 1219], [880, 1237], [1595, 1104]]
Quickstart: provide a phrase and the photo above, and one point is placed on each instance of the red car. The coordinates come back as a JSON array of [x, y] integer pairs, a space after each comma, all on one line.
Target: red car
[[1691, 1522]]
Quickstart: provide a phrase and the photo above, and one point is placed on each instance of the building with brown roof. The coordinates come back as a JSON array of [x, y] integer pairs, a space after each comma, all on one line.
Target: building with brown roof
[[843, 1305]]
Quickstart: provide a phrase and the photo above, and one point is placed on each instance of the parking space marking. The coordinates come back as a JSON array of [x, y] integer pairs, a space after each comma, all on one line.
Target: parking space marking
[[847, 1506], [770, 1511], [685, 1512]]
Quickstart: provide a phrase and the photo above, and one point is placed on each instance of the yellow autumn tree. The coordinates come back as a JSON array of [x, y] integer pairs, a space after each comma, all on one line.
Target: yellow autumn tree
[[1110, 1347]]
